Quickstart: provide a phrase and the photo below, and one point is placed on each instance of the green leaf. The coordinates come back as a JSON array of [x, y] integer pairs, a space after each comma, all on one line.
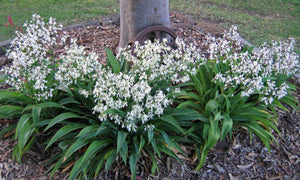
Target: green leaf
[[168, 151], [8, 111], [17, 154], [213, 134], [99, 166], [87, 131], [75, 147], [124, 152], [68, 101], [172, 121], [29, 144], [62, 117], [226, 127], [121, 140], [77, 168], [22, 121], [124, 64], [44, 105], [95, 146], [8, 129], [24, 136], [166, 137], [63, 131], [150, 135], [112, 61], [14, 96], [36, 112], [110, 159], [132, 162], [65, 89], [155, 147], [211, 106], [154, 163], [183, 114], [142, 143], [115, 111], [202, 159], [189, 95], [65, 144], [189, 104], [265, 136]]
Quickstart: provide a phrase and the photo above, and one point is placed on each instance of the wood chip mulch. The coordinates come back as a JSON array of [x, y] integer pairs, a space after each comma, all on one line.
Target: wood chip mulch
[[238, 158]]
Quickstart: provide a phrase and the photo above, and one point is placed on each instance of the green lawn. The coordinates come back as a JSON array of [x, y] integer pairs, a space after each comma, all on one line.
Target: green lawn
[[258, 20]]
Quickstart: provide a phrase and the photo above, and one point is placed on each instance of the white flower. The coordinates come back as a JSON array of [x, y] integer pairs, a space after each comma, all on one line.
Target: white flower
[[32, 63]]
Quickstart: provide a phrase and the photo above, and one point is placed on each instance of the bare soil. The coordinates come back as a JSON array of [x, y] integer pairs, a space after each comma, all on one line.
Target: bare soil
[[237, 158]]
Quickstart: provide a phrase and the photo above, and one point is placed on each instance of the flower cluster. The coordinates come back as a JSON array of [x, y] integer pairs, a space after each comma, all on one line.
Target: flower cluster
[[157, 60], [77, 65], [133, 100], [32, 59], [222, 46], [257, 72]]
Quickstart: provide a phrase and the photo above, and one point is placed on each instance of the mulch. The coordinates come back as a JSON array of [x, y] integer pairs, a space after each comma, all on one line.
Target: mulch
[[236, 158]]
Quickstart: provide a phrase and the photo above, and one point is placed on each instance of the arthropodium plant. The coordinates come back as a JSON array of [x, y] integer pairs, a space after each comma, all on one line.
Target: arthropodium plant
[[239, 88], [103, 112], [33, 62], [129, 104], [30, 76]]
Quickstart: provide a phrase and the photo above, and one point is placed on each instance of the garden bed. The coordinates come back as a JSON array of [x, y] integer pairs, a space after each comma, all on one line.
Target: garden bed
[[238, 158]]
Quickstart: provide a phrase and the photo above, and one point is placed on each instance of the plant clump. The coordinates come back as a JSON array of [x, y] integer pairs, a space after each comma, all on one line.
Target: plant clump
[[144, 102]]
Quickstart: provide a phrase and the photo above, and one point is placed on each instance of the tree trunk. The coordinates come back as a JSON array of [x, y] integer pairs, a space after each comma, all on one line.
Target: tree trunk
[[135, 15]]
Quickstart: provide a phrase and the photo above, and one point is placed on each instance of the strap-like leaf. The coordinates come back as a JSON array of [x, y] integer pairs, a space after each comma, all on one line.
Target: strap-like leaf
[[74, 147], [211, 106], [112, 61], [185, 114], [36, 111], [172, 121], [121, 140], [150, 135], [142, 143], [63, 131], [213, 134], [95, 146], [44, 105], [132, 162], [24, 136], [226, 127], [87, 130], [110, 159], [62, 117], [14, 96], [124, 152], [22, 121], [8, 129], [68, 101], [8, 111], [115, 111]]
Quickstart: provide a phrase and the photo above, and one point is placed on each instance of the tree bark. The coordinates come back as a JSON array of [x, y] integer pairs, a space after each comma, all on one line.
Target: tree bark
[[135, 15]]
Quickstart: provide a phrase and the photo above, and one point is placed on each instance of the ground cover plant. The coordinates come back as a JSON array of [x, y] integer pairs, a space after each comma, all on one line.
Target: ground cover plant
[[147, 102]]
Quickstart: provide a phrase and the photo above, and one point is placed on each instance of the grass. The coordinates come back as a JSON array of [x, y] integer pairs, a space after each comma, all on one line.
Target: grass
[[65, 11], [257, 20]]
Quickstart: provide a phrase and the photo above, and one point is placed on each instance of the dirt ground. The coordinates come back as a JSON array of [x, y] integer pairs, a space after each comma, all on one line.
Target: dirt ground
[[238, 158]]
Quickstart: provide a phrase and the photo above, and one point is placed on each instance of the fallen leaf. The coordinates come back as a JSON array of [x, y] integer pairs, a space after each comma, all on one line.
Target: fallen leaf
[[243, 167], [231, 177]]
